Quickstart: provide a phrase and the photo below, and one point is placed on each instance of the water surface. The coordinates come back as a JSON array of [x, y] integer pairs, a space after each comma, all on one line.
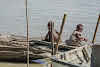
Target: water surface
[[8, 64]]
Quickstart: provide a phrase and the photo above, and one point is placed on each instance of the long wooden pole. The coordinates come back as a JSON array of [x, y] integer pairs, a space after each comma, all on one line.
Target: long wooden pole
[[52, 37], [61, 30], [27, 21], [96, 29]]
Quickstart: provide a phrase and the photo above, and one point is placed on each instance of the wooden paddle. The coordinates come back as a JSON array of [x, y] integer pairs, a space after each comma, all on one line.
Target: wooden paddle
[[61, 30], [96, 29], [94, 37]]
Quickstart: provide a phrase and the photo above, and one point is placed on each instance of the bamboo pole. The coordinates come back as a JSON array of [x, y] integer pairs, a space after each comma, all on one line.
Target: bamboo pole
[[96, 29], [61, 30], [27, 21], [52, 37]]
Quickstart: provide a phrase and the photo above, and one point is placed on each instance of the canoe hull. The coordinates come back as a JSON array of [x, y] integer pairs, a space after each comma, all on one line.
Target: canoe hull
[[74, 58]]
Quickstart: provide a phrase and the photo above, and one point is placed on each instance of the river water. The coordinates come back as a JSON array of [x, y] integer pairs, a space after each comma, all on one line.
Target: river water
[[8, 64], [12, 16]]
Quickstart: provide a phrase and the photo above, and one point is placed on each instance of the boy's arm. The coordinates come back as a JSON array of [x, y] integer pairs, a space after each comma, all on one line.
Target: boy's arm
[[57, 32], [80, 37]]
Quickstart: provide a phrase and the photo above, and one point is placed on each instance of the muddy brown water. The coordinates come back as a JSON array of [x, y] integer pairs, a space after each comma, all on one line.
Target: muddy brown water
[[9, 64]]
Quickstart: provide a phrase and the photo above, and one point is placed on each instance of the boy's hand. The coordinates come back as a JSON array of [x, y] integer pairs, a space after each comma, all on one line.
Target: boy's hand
[[85, 39]]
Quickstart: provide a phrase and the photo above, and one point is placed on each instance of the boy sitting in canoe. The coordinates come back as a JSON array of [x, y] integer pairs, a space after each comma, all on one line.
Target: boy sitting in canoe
[[76, 38], [52, 33]]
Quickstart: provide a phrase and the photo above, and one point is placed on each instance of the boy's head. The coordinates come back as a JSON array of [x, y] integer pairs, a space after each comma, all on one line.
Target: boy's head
[[50, 24], [79, 27]]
